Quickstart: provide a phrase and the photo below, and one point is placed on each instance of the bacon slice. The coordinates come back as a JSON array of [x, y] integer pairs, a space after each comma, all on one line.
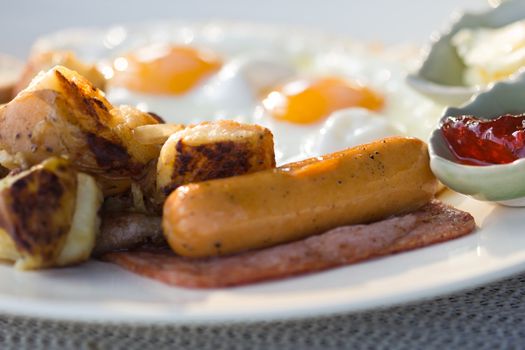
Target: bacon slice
[[435, 222]]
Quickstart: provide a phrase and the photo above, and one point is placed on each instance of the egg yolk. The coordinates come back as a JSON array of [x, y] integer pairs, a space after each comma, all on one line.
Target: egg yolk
[[308, 101], [172, 70]]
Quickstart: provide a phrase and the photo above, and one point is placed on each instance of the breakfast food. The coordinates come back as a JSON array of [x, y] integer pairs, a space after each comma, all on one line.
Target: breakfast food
[[174, 163], [155, 134], [164, 69], [475, 141], [62, 114], [128, 230], [191, 83], [212, 150], [308, 101], [491, 54], [435, 222], [43, 61], [358, 185], [189, 74], [48, 215]]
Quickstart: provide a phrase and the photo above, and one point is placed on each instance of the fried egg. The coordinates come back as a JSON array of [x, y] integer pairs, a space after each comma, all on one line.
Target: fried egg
[[186, 85], [350, 100], [309, 114], [316, 93]]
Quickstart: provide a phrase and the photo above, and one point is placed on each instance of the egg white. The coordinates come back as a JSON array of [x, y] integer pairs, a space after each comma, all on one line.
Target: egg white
[[235, 93], [228, 94]]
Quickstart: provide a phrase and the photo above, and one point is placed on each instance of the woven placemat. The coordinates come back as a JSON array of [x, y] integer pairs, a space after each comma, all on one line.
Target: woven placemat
[[490, 317]]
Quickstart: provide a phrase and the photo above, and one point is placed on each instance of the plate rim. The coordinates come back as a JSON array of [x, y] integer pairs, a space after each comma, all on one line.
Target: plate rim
[[53, 311]]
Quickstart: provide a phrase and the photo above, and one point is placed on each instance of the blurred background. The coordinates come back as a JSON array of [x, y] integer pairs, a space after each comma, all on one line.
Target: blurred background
[[387, 21]]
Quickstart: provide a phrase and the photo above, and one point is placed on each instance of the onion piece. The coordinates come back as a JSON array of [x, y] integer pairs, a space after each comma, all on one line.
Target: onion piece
[[155, 133]]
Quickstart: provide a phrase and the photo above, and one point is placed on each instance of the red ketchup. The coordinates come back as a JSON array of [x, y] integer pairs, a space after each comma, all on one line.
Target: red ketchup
[[485, 142]]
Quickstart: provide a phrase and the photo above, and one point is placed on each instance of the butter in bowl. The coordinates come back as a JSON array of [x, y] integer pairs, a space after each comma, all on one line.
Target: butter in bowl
[[476, 50]]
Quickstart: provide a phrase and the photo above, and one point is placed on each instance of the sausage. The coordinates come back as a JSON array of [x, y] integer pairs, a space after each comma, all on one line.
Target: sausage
[[358, 185]]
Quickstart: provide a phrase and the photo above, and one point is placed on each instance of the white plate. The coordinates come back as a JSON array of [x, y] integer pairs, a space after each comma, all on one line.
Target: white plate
[[102, 292]]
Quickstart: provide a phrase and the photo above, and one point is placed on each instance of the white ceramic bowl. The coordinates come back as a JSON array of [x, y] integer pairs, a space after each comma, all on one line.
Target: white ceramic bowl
[[503, 183], [440, 76]]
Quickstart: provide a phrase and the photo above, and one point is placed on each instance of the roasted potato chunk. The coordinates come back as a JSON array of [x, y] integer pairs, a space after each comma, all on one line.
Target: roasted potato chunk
[[43, 61], [213, 150], [48, 215], [62, 114], [36, 210]]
